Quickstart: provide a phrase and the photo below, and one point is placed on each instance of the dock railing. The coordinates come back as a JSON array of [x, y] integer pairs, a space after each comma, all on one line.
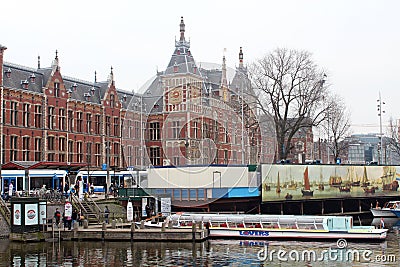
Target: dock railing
[[5, 211]]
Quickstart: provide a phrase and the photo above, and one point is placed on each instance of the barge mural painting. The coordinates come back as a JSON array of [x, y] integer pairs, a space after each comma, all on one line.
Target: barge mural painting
[[328, 181]]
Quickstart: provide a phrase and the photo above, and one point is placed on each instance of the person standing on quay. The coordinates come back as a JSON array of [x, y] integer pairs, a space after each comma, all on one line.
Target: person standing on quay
[[74, 217], [57, 216], [105, 191], [106, 213], [10, 189]]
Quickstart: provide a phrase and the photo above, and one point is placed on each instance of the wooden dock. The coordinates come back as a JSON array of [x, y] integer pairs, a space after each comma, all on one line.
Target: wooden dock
[[108, 233]]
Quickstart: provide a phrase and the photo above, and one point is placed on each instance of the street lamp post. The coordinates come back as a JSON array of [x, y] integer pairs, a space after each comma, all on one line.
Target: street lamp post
[[108, 182], [2, 48], [141, 133], [380, 111]]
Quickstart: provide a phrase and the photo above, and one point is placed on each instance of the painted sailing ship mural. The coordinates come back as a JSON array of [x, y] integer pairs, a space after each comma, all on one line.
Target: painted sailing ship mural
[[389, 182], [348, 182], [286, 181], [365, 182], [278, 186], [321, 186], [335, 180], [353, 176], [307, 189], [292, 185]]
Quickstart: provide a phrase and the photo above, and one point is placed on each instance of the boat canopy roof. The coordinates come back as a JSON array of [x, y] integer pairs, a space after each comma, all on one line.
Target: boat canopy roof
[[254, 218]]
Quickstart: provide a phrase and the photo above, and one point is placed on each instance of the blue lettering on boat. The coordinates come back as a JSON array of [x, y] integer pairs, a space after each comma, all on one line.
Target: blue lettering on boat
[[254, 233]]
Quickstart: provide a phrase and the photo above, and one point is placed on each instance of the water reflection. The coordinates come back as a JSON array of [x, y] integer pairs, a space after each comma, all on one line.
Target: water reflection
[[210, 253]]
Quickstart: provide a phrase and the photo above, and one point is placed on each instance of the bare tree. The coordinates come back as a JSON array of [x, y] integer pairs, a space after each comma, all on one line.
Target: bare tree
[[394, 140], [290, 88], [337, 126]]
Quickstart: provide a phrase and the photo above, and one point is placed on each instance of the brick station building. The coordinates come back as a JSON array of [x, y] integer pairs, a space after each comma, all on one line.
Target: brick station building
[[188, 115]]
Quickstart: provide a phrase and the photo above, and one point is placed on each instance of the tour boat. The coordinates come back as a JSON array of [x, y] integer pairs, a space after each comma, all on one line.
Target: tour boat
[[278, 226], [387, 210], [396, 212], [385, 222]]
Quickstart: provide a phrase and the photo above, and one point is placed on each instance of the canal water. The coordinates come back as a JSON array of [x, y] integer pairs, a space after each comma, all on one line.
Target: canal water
[[209, 253]]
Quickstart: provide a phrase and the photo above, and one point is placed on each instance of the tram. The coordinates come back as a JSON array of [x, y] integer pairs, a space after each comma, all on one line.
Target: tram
[[98, 179], [30, 180]]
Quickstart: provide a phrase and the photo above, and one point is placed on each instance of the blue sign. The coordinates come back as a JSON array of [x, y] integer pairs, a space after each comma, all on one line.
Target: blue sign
[[104, 166]]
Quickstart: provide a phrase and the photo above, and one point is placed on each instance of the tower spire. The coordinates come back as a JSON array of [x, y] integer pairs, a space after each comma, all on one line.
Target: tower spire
[[240, 58], [111, 76], [223, 78], [55, 64], [182, 30], [2, 49], [224, 81]]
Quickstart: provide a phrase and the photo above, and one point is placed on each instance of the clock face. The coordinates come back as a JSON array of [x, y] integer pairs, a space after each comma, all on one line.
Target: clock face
[[195, 92], [175, 96], [299, 146]]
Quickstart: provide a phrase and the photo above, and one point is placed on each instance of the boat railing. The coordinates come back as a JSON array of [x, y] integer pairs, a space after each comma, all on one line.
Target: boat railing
[[253, 221]]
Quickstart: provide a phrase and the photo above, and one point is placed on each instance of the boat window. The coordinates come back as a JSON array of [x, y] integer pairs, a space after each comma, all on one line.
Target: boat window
[[307, 226], [270, 225]]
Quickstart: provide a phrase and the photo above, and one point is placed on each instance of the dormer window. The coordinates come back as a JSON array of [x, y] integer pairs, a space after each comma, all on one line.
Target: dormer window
[[87, 96], [124, 97], [74, 86], [25, 84], [8, 73], [93, 90], [194, 69], [175, 67], [178, 52], [69, 91], [32, 78]]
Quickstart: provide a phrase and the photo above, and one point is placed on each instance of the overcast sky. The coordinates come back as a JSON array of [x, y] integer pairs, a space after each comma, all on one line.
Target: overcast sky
[[357, 43]]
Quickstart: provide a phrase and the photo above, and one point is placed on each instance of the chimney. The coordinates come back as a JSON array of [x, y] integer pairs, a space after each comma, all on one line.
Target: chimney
[[2, 49]]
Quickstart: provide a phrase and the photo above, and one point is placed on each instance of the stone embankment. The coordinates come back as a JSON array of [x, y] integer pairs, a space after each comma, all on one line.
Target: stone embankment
[[4, 228]]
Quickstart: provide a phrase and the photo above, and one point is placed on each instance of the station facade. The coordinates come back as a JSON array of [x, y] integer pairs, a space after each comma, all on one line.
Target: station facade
[[189, 115]]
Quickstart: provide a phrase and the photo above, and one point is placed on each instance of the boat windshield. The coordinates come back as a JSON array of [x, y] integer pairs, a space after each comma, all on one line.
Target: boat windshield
[[391, 205]]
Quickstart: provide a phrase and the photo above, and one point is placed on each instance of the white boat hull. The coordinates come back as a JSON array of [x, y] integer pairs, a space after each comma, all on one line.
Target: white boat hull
[[396, 213], [279, 234], [382, 212]]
